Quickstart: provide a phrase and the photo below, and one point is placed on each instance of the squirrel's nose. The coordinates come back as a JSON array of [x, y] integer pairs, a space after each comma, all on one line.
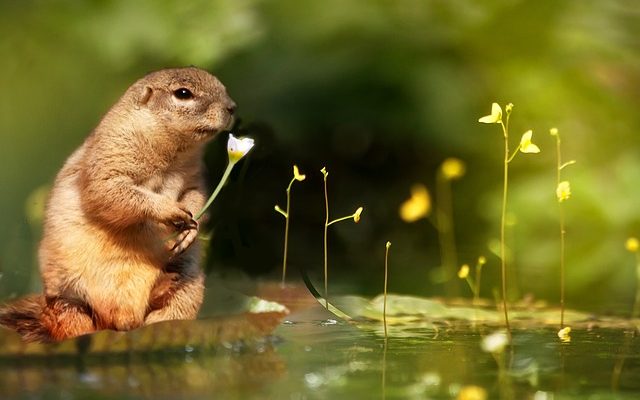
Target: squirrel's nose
[[231, 107]]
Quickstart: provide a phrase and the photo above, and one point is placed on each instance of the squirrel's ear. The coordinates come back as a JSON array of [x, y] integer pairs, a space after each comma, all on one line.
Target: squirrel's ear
[[145, 95]]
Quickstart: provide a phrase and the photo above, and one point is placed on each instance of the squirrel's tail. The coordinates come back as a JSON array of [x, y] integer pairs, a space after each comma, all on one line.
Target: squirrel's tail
[[40, 319], [25, 317]]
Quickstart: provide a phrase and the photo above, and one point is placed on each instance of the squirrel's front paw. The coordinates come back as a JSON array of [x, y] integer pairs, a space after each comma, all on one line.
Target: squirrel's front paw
[[187, 234]]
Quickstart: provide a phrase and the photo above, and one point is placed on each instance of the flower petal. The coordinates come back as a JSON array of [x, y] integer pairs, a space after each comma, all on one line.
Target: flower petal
[[495, 117], [238, 147], [525, 143], [297, 175], [563, 191]]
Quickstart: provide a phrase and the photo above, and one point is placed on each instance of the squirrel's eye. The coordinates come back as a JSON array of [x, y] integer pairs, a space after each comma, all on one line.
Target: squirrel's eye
[[183, 94]]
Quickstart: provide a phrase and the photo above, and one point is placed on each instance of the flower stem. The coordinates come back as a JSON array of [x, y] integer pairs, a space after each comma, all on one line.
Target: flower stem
[[340, 219], [213, 196], [286, 234], [326, 226], [562, 232], [384, 305], [476, 293], [503, 251], [445, 228], [636, 304]]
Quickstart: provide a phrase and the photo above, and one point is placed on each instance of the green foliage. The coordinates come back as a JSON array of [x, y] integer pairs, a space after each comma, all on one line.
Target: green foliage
[[380, 91]]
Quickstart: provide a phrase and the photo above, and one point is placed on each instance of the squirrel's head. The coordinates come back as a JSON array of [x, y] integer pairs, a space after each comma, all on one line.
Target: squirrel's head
[[189, 102]]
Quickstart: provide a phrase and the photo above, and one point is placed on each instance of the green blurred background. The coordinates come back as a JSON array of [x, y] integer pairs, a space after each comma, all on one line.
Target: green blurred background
[[379, 92]]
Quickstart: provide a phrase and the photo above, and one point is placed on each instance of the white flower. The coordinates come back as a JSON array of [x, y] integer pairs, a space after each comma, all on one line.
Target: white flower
[[238, 147]]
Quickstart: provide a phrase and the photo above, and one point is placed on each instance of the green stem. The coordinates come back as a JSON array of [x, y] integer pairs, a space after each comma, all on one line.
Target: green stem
[[326, 226], [476, 293], [503, 251], [562, 232], [286, 234], [339, 219], [636, 304], [384, 305], [213, 196], [444, 226]]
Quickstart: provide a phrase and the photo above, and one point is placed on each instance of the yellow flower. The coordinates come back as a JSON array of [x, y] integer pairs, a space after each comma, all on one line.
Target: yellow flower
[[417, 206], [525, 143], [495, 117], [632, 245], [482, 260], [563, 191], [356, 215], [563, 334], [388, 245], [463, 272], [452, 168], [297, 175], [238, 147], [324, 172], [553, 131]]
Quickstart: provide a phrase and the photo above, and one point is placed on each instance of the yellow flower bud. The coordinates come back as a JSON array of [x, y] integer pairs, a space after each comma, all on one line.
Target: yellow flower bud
[[356, 215]]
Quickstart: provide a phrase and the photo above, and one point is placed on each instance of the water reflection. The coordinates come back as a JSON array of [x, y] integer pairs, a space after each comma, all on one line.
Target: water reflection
[[309, 358]]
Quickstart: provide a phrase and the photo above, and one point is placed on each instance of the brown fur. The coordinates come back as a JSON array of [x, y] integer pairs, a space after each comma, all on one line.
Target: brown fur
[[136, 181]]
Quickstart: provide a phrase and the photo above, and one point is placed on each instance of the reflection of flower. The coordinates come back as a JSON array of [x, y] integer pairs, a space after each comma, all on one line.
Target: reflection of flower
[[238, 147], [563, 334], [452, 168], [417, 206], [356, 215], [463, 272], [297, 175], [495, 117], [472, 392], [495, 343], [526, 146], [563, 191], [632, 245]]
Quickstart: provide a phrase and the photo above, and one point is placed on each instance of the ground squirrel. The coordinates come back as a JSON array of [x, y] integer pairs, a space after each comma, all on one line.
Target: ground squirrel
[[119, 247]]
